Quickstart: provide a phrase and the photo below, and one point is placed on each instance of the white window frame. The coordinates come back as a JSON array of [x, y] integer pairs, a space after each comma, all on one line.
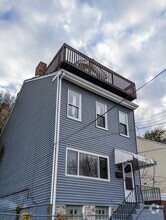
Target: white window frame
[[127, 124], [105, 115], [99, 216], [74, 207], [79, 106], [87, 177]]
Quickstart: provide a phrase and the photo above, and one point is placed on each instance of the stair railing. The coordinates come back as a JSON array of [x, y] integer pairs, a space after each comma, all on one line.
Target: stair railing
[[128, 205]]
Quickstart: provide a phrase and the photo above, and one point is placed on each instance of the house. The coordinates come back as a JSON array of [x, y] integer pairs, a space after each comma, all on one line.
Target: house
[[154, 176], [69, 146]]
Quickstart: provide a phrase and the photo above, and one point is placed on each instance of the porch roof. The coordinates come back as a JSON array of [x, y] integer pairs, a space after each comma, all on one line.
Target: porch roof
[[122, 156]]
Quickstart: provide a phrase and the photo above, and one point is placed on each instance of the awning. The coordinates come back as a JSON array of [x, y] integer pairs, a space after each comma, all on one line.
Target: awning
[[122, 156]]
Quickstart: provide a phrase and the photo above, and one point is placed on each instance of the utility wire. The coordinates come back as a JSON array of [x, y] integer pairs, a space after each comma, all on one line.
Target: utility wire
[[149, 121], [107, 135], [152, 116], [76, 132]]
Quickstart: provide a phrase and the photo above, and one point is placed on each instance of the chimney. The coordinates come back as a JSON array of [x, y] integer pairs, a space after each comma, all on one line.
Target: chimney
[[40, 69]]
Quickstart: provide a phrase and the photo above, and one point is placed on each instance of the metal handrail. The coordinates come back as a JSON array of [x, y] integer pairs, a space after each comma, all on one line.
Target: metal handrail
[[127, 206], [138, 195], [151, 195], [80, 61]]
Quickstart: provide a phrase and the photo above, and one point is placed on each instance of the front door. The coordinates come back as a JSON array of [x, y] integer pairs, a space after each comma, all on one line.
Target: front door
[[128, 178]]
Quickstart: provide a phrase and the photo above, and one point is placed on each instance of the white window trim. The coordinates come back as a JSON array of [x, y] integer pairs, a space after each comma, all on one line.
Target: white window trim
[[127, 124], [79, 107], [105, 115], [76, 206], [87, 177], [106, 207]]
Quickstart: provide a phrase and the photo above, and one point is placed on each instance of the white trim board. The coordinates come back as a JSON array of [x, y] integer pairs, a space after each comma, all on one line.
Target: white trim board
[[98, 90], [87, 177]]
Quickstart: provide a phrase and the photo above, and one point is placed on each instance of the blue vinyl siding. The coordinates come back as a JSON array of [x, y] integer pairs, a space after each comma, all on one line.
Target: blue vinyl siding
[[81, 191], [28, 138], [28, 141]]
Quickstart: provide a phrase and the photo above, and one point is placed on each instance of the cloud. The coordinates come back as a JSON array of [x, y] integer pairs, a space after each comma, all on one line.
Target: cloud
[[128, 37]]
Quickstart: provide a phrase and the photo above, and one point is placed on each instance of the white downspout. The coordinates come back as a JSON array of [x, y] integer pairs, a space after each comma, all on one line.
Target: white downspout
[[55, 133], [59, 77]]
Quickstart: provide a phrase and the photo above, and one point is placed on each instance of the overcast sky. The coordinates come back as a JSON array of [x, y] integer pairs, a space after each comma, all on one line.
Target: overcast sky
[[129, 37]]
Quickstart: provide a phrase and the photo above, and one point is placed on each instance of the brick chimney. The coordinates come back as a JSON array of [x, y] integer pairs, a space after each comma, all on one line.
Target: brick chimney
[[40, 69]]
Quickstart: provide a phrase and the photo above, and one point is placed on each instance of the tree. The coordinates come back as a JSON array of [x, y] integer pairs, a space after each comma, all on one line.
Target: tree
[[157, 134], [6, 103]]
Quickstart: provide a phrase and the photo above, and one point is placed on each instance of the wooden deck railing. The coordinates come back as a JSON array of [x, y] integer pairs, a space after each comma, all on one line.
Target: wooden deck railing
[[81, 62]]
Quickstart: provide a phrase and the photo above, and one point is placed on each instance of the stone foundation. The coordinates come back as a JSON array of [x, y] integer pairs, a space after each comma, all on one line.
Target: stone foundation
[[88, 210], [60, 209]]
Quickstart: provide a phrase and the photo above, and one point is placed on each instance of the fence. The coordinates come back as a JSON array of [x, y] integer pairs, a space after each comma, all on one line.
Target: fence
[[73, 60]]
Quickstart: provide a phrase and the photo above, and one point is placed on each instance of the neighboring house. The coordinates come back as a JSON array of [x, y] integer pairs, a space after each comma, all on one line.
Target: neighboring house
[[154, 176], [70, 142]]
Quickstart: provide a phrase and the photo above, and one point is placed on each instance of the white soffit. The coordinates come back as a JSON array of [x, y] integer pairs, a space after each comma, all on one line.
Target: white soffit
[[98, 90]]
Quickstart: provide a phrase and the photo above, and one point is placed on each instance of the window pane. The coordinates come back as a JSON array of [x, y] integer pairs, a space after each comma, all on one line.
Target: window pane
[[88, 165], [122, 118], [100, 108], [73, 98], [101, 121], [75, 212], [128, 169], [129, 183], [101, 213], [123, 129], [73, 111], [103, 168], [72, 162]]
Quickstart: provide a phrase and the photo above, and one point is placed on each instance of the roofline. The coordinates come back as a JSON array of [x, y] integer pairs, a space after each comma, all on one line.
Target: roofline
[[25, 81], [98, 90], [147, 140], [41, 77], [18, 94], [82, 83]]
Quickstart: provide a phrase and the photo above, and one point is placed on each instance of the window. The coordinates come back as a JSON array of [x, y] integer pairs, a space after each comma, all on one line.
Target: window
[[74, 105], [101, 121], [101, 213], [85, 164], [72, 162], [88, 165], [123, 123], [74, 212]]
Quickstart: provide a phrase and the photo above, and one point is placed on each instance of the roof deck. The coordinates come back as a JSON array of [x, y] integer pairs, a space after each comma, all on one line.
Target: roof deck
[[87, 68]]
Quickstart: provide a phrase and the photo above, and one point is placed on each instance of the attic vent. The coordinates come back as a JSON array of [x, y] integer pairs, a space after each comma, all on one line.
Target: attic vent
[[40, 69]]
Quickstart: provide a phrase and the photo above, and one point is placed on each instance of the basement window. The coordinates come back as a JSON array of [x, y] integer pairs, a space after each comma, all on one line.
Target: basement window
[[74, 212], [101, 213]]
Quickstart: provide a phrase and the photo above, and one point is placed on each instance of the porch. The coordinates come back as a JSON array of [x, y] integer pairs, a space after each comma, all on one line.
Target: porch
[[81, 65], [138, 199]]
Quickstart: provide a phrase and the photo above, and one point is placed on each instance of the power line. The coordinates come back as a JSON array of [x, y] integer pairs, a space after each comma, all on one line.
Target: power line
[[76, 132], [147, 118], [106, 135], [149, 121], [151, 79]]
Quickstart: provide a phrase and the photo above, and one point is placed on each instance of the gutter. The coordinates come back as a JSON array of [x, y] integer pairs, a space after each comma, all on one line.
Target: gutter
[[59, 78]]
